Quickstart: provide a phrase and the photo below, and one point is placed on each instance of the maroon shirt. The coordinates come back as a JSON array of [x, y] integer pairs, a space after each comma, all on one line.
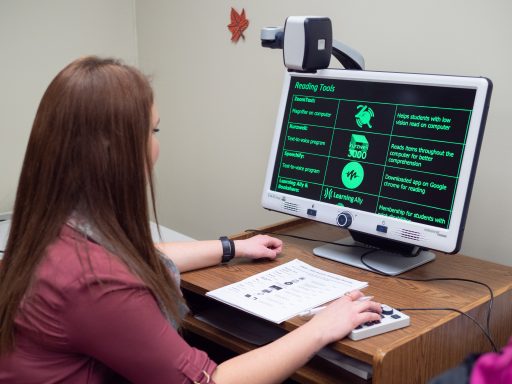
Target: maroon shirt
[[72, 329]]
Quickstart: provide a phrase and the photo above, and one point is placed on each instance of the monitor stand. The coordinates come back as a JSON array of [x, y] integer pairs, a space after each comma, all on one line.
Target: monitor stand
[[386, 262]]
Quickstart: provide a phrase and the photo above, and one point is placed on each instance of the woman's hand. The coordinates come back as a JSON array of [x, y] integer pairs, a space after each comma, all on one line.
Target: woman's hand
[[259, 246], [285, 355], [340, 317]]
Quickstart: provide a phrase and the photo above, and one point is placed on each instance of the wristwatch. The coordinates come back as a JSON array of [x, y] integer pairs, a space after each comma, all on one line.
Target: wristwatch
[[228, 249]]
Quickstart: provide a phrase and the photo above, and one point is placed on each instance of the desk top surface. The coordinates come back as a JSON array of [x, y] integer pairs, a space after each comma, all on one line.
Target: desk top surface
[[392, 291]]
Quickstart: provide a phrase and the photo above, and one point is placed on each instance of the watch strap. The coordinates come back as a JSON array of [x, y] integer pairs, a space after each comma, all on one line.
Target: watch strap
[[228, 249]]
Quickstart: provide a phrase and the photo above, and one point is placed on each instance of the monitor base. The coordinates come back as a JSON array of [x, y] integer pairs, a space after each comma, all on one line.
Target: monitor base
[[386, 262]]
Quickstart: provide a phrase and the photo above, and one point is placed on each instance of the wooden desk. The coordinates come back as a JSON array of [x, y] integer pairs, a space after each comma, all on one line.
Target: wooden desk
[[434, 342]]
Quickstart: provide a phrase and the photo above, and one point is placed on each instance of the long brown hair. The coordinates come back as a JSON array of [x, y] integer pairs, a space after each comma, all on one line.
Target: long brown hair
[[89, 148]]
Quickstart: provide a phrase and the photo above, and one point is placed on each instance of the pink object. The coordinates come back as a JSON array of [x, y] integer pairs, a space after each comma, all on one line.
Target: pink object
[[493, 368]]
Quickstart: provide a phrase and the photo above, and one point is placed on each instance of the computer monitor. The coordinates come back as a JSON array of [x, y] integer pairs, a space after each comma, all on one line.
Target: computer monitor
[[390, 156]]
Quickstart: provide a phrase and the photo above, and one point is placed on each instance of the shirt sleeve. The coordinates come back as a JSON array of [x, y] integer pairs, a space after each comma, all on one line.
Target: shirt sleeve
[[122, 326]]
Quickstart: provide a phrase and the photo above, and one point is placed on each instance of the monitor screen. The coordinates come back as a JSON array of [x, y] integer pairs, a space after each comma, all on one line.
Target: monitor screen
[[388, 155]]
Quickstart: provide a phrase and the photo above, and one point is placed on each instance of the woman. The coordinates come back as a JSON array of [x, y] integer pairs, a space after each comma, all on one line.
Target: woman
[[85, 296]]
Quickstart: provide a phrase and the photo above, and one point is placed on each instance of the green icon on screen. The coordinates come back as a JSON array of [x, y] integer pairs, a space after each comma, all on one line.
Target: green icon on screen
[[352, 175], [358, 147], [364, 116]]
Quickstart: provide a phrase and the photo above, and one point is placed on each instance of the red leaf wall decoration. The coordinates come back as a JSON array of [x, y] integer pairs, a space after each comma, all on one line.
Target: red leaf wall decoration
[[239, 24]]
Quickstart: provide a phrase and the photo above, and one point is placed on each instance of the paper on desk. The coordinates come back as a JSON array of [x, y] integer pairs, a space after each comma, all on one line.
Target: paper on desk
[[285, 291]]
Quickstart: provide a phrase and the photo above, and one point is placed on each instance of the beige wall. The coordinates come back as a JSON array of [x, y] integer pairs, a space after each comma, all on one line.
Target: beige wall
[[218, 100], [37, 39]]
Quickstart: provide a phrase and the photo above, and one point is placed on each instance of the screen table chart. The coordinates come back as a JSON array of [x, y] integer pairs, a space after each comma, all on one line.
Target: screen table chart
[[398, 158]]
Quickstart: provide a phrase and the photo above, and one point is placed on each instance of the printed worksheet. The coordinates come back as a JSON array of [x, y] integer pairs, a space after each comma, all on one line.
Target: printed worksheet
[[285, 291]]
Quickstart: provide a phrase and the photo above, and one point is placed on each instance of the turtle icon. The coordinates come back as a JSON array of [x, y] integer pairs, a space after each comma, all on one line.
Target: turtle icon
[[364, 116]]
